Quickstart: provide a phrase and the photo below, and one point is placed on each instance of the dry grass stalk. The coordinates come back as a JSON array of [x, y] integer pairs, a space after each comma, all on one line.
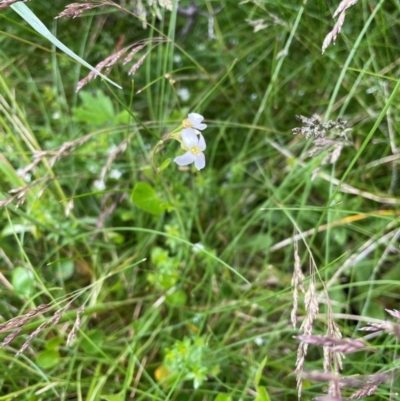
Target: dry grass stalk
[[364, 392], [388, 327], [334, 390], [130, 55], [74, 10], [366, 385], [7, 3], [21, 321], [317, 130], [344, 5], [65, 149], [331, 157], [318, 376], [311, 305], [20, 193], [297, 284], [138, 64], [344, 345], [11, 337], [332, 349], [108, 63], [112, 156], [77, 325], [331, 37], [333, 359], [52, 321], [395, 313], [361, 381], [107, 211], [17, 324]]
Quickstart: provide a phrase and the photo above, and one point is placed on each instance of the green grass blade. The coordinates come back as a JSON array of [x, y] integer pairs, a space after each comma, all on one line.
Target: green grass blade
[[23, 11]]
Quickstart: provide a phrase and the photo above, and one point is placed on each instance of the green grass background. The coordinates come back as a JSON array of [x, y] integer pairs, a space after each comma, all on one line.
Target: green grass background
[[161, 312]]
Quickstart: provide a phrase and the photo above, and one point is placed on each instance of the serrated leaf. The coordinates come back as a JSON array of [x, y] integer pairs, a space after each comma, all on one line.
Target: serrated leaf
[[145, 197], [96, 109]]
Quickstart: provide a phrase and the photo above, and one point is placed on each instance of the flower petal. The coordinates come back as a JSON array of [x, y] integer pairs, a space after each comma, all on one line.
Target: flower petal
[[200, 161], [185, 159], [195, 118], [202, 142], [189, 137]]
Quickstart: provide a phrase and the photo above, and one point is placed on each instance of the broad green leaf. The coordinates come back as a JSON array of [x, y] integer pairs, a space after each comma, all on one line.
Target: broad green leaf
[[48, 359], [144, 196], [38, 26], [96, 109], [22, 281]]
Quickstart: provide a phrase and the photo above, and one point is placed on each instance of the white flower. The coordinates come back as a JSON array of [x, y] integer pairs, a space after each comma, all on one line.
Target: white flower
[[116, 174], [194, 144], [25, 176], [196, 248], [194, 121], [259, 341], [99, 185], [183, 93]]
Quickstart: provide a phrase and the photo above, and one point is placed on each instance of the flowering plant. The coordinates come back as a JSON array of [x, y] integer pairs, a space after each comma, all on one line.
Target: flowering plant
[[192, 141]]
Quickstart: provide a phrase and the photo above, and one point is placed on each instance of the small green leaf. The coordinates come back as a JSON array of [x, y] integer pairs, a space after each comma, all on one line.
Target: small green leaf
[[164, 164], [144, 196], [123, 117], [178, 298], [48, 359], [22, 281], [63, 270], [54, 343]]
